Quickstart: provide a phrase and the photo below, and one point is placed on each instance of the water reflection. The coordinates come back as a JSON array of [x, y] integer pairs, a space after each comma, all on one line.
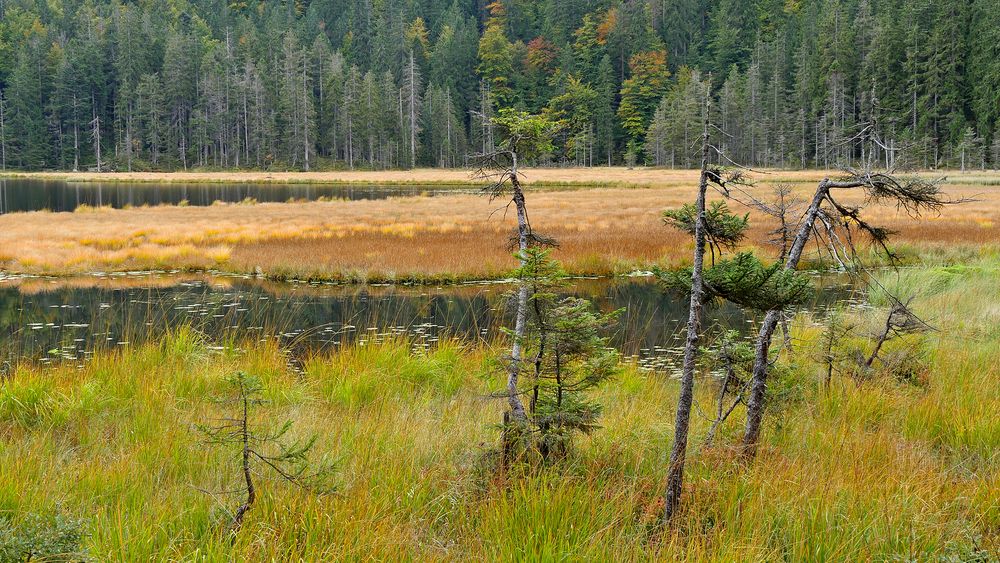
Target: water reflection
[[57, 195], [52, 320]]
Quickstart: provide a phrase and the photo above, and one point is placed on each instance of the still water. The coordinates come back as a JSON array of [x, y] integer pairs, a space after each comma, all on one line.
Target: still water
[[36, 195], [52, 320]]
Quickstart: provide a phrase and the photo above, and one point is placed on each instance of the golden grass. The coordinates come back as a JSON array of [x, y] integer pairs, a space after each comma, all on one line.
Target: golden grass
[[460, 236], [879, 470]]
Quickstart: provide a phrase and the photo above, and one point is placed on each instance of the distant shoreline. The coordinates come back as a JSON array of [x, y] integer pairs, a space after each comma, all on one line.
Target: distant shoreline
[[609, 177]]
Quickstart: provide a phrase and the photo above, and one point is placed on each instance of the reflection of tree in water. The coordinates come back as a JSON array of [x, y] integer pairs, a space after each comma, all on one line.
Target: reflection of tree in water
[[76, 320], [58, 195]]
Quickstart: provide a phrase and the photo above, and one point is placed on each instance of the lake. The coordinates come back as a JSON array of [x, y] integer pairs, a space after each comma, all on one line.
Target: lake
[[59, 320], [57, 195]]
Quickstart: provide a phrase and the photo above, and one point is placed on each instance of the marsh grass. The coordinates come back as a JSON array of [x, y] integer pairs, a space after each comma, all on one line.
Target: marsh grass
[[873, 469], [417, 239]]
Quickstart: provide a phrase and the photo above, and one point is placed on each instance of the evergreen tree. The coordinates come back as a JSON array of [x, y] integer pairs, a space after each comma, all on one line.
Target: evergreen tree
[[496, 58], [26, 127], [797, 80], [642, 91], [151, 114], [297, 105]]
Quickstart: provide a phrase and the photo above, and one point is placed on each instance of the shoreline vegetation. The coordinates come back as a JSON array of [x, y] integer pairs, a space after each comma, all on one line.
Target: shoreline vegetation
[[539, 177], [339, 280], [604, 231], [900, 461]]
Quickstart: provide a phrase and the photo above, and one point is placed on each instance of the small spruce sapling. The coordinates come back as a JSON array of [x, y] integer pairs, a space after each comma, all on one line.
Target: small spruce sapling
[[723, 229], [565, 338], [743, 279], [261, 448], [835, 330]]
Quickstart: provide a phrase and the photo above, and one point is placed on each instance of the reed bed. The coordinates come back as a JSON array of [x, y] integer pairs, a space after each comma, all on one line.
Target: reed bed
[[447, 237], [877, 469]]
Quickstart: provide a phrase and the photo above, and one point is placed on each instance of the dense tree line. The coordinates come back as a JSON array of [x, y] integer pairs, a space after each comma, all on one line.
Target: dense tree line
[[168, 84]]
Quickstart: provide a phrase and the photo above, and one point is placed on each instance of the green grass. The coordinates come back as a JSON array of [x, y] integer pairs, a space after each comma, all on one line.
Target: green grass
[[873, 470]]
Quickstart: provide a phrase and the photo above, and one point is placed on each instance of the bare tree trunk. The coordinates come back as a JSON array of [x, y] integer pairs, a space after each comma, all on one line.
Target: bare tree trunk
[[678, 453], [520, 323], [245, 454], [76, 137], [758, 386], [3, 136], [305, 114], [413, 113], [128, 136], [880, 341], [96, 135]]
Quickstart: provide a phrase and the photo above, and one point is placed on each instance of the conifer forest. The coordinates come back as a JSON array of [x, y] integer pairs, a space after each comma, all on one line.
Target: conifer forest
[[307, 84]]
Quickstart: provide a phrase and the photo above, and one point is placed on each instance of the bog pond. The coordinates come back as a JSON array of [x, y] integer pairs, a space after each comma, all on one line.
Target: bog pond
[[67, 320], [56, 195]]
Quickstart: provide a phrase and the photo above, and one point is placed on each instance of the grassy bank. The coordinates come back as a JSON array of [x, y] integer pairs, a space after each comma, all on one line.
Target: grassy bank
[[538, 177], [879, 469]]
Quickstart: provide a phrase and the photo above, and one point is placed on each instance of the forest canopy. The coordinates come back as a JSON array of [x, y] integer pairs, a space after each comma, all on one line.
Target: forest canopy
[[175, 84]]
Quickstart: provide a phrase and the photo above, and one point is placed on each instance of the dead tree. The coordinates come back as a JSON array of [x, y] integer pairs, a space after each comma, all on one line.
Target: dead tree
[[783, 207], [900, 321], [678, 452], [524, 136], [3, 134], [95, 136], [912, 195], [260, 447], [732, 356]]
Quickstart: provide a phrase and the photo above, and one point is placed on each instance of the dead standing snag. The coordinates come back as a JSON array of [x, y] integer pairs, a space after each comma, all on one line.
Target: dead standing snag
[[842, 224], [525, 136]]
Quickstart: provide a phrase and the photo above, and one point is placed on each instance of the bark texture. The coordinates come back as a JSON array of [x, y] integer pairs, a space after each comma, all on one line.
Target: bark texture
[[758, 385], [521, 317], [678, 453]]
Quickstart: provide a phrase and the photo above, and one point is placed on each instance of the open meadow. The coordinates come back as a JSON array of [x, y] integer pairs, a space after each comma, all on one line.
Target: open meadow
[[860, 470], [606, 221], [108, 453]]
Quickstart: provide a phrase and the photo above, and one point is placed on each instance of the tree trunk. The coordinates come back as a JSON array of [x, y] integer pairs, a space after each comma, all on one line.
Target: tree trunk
[[521, 318], [3, 136], [758, 386], [305, 115], [413, 113], [678, 454], [237, 522]]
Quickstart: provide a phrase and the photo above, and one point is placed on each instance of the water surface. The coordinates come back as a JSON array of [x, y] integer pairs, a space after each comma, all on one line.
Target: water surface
[[58, 195], [57, 320]]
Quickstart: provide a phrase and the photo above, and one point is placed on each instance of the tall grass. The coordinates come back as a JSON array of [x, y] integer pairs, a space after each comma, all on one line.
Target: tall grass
[[443, 238], [865, 470]]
